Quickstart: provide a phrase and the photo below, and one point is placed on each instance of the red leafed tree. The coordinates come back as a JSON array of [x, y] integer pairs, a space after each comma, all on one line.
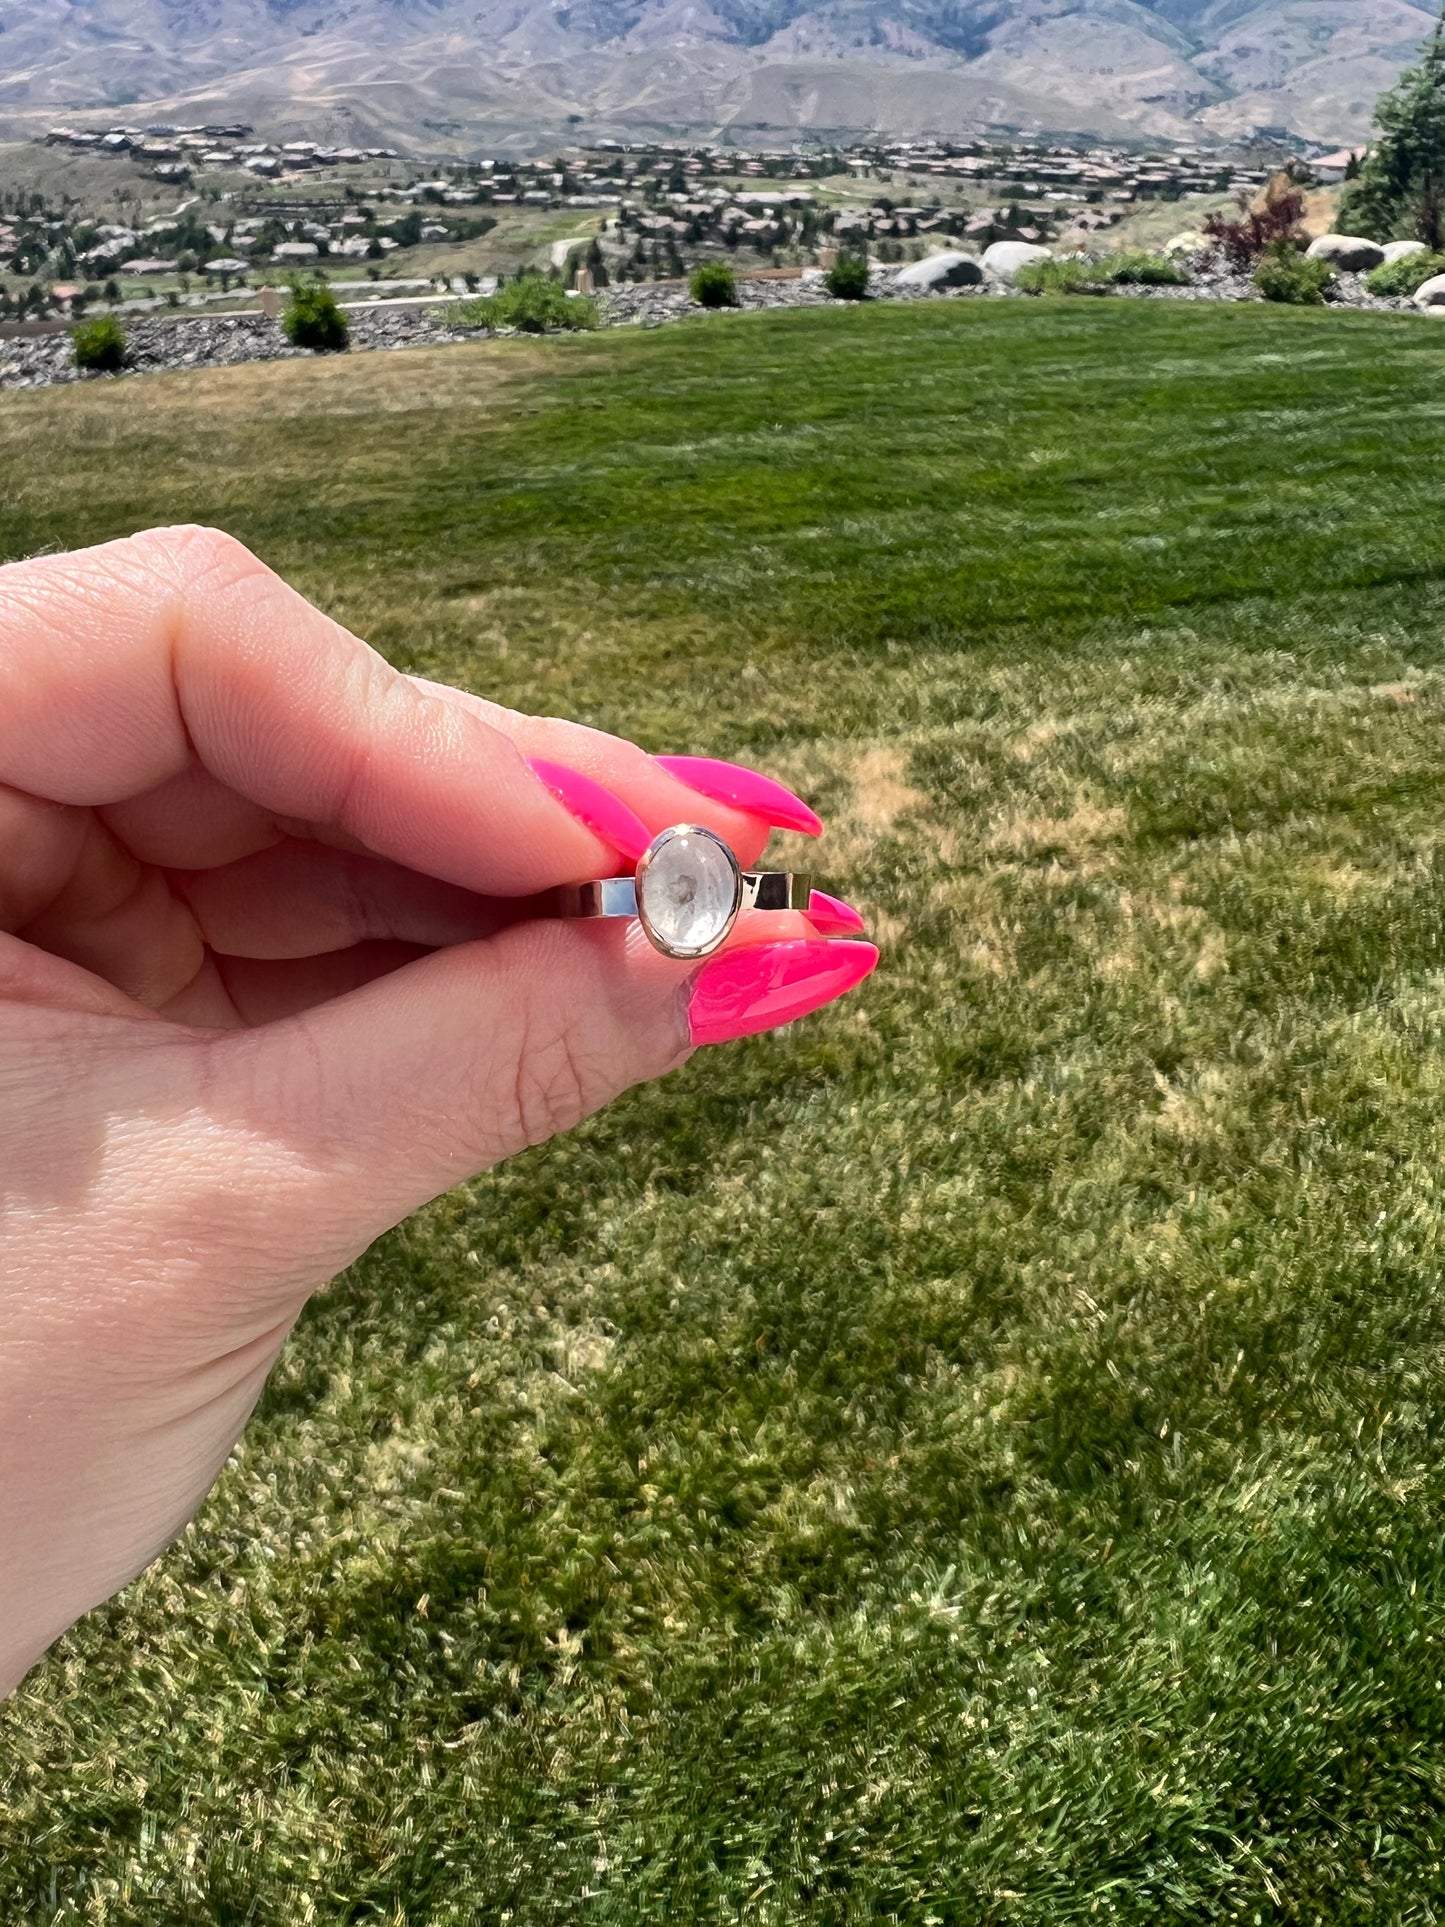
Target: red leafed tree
[[1261, 224]]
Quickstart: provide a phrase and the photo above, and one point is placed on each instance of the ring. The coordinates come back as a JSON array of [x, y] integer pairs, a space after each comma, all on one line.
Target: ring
[[687, 893]]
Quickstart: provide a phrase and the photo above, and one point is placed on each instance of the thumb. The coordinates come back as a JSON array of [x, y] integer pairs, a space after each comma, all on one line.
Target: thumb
[[391, 1094], [395, 1092]]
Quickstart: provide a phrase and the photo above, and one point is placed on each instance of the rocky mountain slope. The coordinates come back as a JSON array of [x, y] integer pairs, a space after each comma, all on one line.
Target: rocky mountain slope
[[462, 71]]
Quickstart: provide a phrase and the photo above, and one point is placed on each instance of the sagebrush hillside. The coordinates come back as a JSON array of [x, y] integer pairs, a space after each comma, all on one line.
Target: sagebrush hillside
[[504, 68]]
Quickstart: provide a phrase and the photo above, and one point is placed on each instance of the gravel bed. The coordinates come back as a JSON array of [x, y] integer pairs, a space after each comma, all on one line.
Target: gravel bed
[[219, 341], [649, 305], [223, 340]]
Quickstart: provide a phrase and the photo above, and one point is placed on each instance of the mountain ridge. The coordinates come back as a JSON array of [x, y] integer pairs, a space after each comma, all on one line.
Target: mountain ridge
[[464, 71]]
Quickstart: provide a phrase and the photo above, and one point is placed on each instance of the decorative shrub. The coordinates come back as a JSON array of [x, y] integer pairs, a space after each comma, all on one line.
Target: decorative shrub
[[847, 279], [1287, 275], [313, 320], [714, 285], [531, 304], [1259, 227], [1078, 274], [1071, 274], [1146, 271], [1403, 277], [99, 344]]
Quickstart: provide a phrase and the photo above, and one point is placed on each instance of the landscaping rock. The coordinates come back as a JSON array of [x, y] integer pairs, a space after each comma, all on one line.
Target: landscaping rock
[[1352, 252], [648, 304], [949, 270], [1005, 258], [1403, 250], [184, 341], [217, 341], [1191, 241]]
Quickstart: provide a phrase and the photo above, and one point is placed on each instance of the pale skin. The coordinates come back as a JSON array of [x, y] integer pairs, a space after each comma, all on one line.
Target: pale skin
[[268, 982]]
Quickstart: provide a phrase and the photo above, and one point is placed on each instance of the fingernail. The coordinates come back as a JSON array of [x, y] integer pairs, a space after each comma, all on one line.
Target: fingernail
[[742, 991], [831, 917], [745, 789], [603, 813]]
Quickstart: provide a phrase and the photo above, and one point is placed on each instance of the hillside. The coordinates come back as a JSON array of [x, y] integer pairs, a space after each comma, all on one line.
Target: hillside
[[975, 1457], [503, 70]]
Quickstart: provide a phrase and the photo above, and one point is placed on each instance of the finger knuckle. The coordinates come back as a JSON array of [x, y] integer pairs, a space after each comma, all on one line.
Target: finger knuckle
[[198, 558], [557, 1082]]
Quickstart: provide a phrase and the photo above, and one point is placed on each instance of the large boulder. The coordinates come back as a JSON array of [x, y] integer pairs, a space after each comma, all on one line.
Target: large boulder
[[1431, 293], [949, 270], [1005, 258], [1403, 250], [1352, 252], [1191, 241]]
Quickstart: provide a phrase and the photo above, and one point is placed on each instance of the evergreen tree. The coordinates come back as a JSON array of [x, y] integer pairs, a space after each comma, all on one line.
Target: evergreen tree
[[1397, 193]]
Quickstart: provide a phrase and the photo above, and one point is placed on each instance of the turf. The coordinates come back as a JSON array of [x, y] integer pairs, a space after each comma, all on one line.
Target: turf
[[973, 1458]]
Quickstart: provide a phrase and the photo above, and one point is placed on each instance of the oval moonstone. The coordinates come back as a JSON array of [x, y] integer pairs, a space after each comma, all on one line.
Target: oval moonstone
[[687, 893]]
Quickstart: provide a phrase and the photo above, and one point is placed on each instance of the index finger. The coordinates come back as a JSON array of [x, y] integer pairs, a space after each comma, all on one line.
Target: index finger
[[124, 665]]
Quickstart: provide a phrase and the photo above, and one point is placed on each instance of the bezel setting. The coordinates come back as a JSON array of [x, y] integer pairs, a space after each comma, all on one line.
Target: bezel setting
[[658, 847]]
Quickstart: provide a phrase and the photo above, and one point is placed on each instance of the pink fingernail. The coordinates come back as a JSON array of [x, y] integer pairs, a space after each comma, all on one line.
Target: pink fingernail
[[603, 813], [742, 991], [745, 789], [831, 917]]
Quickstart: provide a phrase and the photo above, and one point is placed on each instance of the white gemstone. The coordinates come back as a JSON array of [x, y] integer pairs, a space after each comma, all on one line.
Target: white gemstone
[[687, 892]]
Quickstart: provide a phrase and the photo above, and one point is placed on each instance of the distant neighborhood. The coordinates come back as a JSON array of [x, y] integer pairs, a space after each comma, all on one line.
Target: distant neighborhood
[[189, 215], [173, 152]]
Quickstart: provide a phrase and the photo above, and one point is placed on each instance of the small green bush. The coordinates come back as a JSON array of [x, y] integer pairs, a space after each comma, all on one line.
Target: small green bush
[[1398, 278], [1070, 275], [531, 304], [313, 320], [1077, 274], [1287, 275], [1146, 271], [714, 285], [99, 344], [847, 279]]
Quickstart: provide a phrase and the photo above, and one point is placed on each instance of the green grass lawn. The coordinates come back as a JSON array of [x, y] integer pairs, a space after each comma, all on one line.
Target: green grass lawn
[[976, 1457]]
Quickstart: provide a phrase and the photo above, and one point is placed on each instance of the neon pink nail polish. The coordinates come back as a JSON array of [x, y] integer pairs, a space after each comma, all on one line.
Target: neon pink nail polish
[[742, 991], [831, 917], [603, 813], [745, 789]]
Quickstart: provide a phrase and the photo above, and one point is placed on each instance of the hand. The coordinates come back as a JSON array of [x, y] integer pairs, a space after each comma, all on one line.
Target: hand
[[269, 979]]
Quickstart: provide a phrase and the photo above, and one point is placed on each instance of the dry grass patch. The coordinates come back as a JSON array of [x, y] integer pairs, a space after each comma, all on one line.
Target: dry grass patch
[[1076, 837], [881, 790]]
